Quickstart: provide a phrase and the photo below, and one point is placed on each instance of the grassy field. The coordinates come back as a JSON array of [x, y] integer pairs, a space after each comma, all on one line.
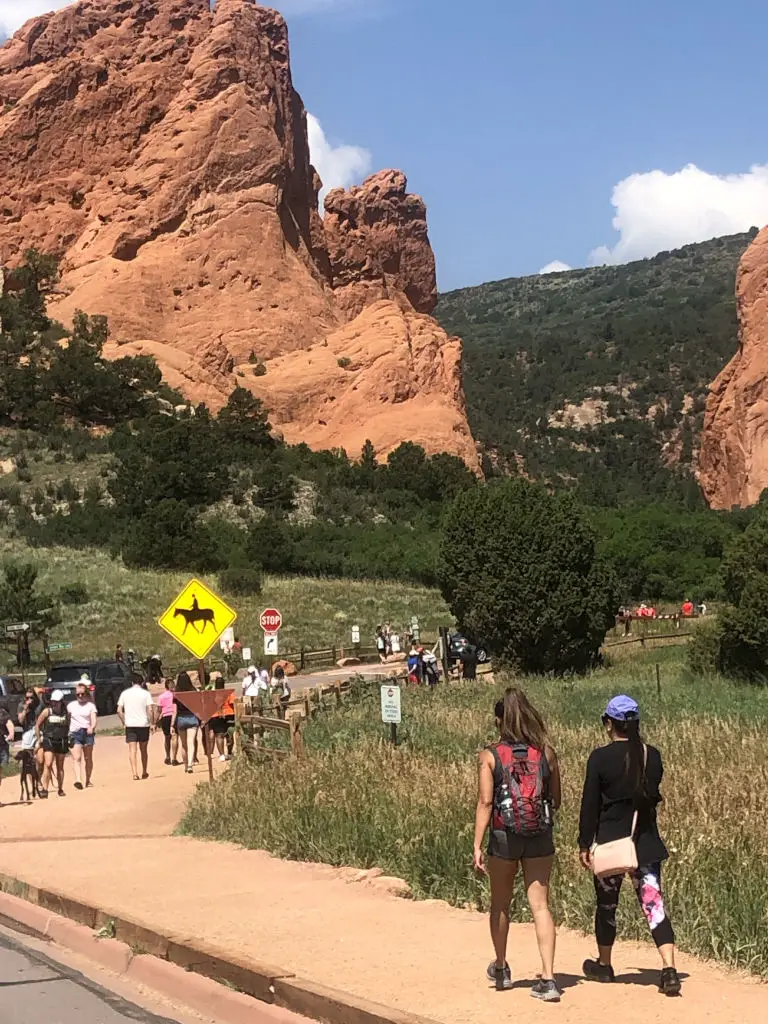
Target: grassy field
[[357, 801], [123, 605]]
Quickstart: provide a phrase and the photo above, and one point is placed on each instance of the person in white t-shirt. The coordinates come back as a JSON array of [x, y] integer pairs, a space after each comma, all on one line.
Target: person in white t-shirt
[[82, 731], [253, 684], [136, 710]]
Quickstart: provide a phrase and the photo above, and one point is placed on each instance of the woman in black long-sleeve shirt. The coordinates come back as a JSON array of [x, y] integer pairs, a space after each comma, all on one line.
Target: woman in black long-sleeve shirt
[[624, 778]]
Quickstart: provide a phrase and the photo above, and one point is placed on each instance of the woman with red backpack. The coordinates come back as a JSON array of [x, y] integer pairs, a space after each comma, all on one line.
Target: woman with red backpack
[[518, 792]]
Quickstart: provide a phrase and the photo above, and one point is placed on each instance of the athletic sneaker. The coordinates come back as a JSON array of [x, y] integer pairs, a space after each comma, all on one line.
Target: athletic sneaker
[[669, 983], [222, 757], [547, 991], [595, 971], [503, 980]]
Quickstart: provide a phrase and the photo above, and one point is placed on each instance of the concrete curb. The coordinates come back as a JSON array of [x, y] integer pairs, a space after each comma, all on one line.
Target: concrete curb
[[197, 975]]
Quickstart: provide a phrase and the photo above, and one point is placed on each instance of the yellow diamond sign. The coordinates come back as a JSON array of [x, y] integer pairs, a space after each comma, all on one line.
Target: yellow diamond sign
[[197, 618]]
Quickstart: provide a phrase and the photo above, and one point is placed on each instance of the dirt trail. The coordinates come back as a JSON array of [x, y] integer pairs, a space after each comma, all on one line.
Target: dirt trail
[[334, 926]]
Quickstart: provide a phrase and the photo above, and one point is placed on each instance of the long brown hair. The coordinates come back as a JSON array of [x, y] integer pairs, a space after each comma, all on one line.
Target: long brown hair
[[519, 721]]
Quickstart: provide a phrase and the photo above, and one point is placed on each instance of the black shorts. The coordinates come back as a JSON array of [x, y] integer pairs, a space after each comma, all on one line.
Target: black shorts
[[55, 746], [508, 846], [165, 725], [137, 734], [219, 726]]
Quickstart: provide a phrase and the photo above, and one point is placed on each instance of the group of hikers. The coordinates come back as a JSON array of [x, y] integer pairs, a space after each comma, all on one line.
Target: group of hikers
[[519, 794], [53, 727]]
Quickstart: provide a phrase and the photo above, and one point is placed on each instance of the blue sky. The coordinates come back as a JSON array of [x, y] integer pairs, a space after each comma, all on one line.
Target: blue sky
[[522, 123], [516, 120]]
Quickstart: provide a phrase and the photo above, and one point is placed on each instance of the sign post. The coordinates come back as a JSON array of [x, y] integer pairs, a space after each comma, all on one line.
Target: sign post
[[270, 645], [356, 639], [391, 711], [270, 621], [196, 619]]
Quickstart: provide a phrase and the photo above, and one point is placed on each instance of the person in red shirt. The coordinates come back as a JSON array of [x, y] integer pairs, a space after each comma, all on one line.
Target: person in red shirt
[[687, 608]]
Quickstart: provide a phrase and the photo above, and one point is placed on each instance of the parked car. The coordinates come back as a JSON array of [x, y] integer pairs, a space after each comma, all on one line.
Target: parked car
[[108, 680], [12, 697], [459, 643]]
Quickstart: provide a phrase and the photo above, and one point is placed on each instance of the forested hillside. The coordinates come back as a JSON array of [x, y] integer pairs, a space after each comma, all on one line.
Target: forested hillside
[[598, 378]]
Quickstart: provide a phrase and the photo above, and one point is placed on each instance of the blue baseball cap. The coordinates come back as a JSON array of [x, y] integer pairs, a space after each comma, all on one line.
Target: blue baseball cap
[[621, 708]]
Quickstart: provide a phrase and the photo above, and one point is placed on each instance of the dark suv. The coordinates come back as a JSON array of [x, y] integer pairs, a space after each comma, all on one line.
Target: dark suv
[[108, 680], [458, 644]]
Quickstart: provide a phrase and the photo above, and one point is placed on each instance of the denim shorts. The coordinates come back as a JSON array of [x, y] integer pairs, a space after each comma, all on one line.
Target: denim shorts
[[184, 722], [80, 738], [5, 755]]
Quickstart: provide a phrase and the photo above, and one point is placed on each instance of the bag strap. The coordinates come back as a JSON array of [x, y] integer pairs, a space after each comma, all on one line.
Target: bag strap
[[634, 816]]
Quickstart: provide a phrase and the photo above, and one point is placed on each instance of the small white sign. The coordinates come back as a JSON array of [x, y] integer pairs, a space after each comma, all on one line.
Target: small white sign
[[355, 634], [390, 705], [246, 654], [227, 639], [270, 644]]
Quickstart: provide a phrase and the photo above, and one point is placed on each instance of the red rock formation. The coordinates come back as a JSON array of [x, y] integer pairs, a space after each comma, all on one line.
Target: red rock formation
[[161, 148], [733, 462], [378, 245]]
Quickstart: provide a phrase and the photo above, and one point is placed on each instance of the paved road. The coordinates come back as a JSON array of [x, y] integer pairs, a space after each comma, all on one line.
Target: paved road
[[33, 987]]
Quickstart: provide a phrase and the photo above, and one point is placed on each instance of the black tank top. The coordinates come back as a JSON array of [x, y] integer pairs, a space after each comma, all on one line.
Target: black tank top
[[55, 727]]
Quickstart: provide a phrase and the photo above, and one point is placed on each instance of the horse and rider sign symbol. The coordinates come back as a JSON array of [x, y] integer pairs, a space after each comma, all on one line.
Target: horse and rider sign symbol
[[197, 618]]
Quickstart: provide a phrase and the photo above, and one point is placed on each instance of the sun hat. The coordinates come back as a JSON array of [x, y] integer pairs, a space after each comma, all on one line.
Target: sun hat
[[85, 679], [57, 695], [621, 708], [252, 670]]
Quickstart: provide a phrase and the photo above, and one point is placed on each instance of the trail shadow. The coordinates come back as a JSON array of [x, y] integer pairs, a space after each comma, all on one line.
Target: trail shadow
[[564, 981], [643, 976]]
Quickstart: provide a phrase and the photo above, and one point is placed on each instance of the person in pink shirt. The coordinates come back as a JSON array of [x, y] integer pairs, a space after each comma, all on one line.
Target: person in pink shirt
[[165, 703]]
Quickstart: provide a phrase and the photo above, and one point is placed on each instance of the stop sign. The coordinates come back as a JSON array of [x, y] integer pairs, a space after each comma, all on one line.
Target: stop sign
[[271, 620]]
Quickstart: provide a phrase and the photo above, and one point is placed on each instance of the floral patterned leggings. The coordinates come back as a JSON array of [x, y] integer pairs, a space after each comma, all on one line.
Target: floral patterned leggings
[[646, 881]]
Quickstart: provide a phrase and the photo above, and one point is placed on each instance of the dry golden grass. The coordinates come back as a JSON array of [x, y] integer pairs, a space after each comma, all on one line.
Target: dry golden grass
[[357, 801]]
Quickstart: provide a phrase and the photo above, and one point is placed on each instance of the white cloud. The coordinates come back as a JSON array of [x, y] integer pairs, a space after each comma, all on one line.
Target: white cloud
[[338, 166], [657, 211], [13, 13], [555, 267]]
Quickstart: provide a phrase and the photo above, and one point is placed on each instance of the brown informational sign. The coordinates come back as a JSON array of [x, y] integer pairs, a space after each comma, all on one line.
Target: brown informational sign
[[204, 703]]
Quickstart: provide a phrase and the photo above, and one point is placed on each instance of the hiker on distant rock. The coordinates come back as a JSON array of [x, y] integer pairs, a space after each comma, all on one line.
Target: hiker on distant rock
[[621, 794], [82, 732], [518, 792], [136, 710]]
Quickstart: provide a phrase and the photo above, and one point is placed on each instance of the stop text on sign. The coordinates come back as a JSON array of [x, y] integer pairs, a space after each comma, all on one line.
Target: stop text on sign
[[271, 620]]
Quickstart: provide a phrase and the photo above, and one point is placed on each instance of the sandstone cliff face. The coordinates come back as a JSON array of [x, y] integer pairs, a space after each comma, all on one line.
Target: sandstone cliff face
[[733, 463], [161, 148]]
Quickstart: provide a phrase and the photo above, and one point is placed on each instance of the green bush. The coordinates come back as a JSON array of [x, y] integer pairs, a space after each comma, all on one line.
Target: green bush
[[74, 593], [519, 570], [704, 649], [344, 362], [241, 580], [259, 369]]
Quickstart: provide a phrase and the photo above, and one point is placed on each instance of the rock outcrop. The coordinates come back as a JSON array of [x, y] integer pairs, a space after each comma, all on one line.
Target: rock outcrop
[[161, 149], [378, 245], [733, 461]]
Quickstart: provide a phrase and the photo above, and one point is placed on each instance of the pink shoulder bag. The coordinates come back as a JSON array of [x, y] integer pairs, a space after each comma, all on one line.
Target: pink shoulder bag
[[619, 856]]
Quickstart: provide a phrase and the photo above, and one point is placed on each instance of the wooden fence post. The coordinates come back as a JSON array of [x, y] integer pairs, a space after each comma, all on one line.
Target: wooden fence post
[[297, 740], [307, 707], [337, 691], [302, 659], [319, 696]]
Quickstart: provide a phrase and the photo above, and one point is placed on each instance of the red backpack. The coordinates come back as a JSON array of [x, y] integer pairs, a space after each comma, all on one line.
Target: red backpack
[[519, 799]]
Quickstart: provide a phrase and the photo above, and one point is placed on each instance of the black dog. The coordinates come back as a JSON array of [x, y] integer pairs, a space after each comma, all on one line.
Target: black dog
[[28, 776]]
